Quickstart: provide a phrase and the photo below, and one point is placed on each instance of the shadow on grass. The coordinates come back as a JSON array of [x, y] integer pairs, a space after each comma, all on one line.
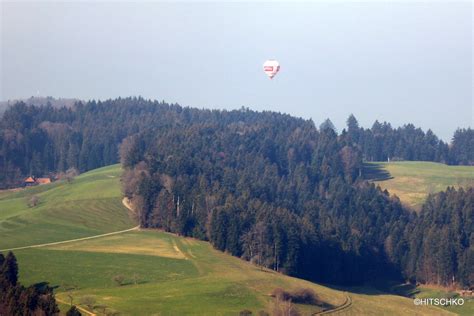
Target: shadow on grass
[[44, 286], [375, 172], [315, 309], [407, 290], [381, 287], [325, 306], [128, 283]]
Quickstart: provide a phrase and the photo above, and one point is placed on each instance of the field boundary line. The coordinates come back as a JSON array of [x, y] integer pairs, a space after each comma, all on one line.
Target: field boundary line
[[72, 240]]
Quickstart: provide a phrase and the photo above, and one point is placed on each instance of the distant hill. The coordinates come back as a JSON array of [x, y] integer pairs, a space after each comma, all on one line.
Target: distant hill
[[38, 101]]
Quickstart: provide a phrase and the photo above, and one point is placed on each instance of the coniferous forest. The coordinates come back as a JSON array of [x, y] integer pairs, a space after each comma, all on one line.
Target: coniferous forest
[[264, 186], [15, 299]]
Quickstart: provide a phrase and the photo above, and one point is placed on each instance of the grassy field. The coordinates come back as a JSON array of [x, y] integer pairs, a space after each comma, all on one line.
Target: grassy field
[[466, 309], [163, 274], [427, 291], [412, 181], [178, 276], [90, 205]]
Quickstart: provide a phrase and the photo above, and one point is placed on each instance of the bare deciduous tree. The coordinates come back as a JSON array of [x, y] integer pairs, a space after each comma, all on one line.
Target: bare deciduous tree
[[118, 279], [69, 289], [33, 200], [279, 307], [88, 301], [131, 178], [129, 151], [136, 278], [71, 173]]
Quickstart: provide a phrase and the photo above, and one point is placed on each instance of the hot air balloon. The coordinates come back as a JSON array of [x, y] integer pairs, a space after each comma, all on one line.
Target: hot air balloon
[[271, 67]]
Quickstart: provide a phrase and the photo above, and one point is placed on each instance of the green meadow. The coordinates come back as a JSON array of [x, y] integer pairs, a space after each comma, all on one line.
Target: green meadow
[[427, 291], [90, 205], [412, 181], [148, 272], [466, 309]]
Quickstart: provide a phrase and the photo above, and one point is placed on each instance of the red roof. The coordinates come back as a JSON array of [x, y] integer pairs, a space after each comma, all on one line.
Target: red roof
[[43, 180], [30, 180]]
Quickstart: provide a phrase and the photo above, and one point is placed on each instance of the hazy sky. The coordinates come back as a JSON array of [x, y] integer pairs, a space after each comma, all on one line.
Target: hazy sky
[[396, 61]]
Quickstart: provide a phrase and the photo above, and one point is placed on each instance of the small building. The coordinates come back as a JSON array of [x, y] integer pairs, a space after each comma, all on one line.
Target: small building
[[30, 181], [466, 293], [43, 180]]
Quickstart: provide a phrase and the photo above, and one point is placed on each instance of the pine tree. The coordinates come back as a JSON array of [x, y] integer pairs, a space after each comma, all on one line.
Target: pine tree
[[73, 311], [9, 270]]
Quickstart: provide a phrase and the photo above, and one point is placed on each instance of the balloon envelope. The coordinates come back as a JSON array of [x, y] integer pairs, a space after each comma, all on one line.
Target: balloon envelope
[[271, 67]]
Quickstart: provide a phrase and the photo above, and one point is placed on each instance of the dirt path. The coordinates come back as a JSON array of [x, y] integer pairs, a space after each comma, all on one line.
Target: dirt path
[[78, 307], [72, 240], [125, 203], [347, 304], [176, 248]]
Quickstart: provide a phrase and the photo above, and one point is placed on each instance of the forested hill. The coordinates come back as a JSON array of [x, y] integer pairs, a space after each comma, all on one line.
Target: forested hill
[[264, 186], [291, 199], [286, 198]]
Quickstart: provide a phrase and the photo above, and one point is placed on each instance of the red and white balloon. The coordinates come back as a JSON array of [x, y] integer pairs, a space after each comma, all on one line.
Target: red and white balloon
[[271, 67]]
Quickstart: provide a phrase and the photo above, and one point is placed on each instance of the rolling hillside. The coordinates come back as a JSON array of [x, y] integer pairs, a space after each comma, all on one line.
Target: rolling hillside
[[162, 273], [412, 181], [82, 208]]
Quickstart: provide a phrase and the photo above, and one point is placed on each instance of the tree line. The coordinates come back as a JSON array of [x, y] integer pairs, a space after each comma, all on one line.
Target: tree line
[[42, 140], [382, 142], [17, 300], [441, 240]]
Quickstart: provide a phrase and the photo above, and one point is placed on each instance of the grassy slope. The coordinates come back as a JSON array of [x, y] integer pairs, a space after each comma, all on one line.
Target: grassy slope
[[175, 275], [65, 211], [427, 291], [412, 181], [466, 309], [204, 281]]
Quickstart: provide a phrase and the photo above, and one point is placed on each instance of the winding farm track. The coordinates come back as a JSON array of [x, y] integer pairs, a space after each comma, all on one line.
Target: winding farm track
[[347, 304], [78, 307], [124, 202]]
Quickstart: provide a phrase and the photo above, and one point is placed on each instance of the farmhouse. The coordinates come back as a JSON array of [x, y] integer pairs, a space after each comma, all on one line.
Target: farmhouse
[[30, 181], [466, 293], [43, 180]]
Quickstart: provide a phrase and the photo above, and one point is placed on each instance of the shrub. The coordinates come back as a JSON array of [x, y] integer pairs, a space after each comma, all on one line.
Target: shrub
[[305, 296], [300, 296], [119, 279], [88, 301], [281, 294]]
